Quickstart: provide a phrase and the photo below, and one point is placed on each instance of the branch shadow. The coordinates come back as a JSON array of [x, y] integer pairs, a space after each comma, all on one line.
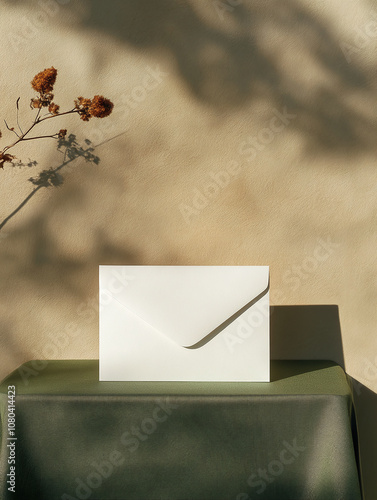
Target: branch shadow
[[226, 62], [52, 177]]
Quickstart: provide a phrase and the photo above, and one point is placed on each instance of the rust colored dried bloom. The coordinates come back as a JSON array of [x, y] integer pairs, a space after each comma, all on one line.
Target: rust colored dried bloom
[[62, 133], [100, 106], [82, 105], [46, 99], [35, 103], [5, 157], [82, 102], [53, 108], [44, 81]]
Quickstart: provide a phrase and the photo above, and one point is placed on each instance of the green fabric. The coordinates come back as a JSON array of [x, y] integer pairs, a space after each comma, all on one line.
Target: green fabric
[[79, 438]]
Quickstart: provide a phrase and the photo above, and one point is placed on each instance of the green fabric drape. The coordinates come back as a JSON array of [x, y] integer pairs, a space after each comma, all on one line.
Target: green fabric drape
[[80, 438]]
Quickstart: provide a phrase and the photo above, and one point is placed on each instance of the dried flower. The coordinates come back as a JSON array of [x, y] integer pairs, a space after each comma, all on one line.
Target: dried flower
[[35, 103], [82, 105], [100, 107], [5, 157], [53, 108], [46, 99], [44, 81]]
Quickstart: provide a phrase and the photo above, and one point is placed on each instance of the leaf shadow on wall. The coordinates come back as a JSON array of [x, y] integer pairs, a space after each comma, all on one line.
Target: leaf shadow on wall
[[272, 51], [33, 266], [53, 177], [228, 60]]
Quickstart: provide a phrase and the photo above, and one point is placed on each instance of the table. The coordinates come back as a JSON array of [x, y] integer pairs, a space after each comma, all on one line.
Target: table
[[78, 438]]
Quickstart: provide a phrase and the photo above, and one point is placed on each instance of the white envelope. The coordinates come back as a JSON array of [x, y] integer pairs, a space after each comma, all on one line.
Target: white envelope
[[184, 323]]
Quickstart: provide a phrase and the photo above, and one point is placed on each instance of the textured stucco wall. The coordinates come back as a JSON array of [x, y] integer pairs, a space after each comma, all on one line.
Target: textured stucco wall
[[275, 100]]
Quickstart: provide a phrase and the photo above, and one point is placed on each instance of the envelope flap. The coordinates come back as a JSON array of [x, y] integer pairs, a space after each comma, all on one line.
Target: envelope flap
[[184, 303]]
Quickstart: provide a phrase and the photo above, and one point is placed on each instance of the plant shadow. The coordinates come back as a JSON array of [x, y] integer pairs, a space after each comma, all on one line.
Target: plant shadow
[[223, 59], [71, 149]]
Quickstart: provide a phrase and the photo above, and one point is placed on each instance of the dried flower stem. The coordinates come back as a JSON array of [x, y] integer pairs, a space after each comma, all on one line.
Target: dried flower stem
[[36, 121], [18, 123], [43, 84], [54, 136]]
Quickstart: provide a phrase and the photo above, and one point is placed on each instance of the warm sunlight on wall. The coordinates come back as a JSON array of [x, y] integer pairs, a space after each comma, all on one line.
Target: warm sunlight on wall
[[243, 133]]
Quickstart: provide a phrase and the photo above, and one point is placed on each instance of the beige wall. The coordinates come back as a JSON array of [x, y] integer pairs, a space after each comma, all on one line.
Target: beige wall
[[198, 88]]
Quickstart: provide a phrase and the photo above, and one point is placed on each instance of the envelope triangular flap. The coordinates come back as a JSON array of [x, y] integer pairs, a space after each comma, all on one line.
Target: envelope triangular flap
[[185, 303]]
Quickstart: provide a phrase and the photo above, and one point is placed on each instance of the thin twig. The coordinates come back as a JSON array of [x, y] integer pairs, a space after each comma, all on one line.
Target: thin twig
[[74, 110], [36, 121], [37, 116], [11, 129], [17, 115], [54, 136]]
